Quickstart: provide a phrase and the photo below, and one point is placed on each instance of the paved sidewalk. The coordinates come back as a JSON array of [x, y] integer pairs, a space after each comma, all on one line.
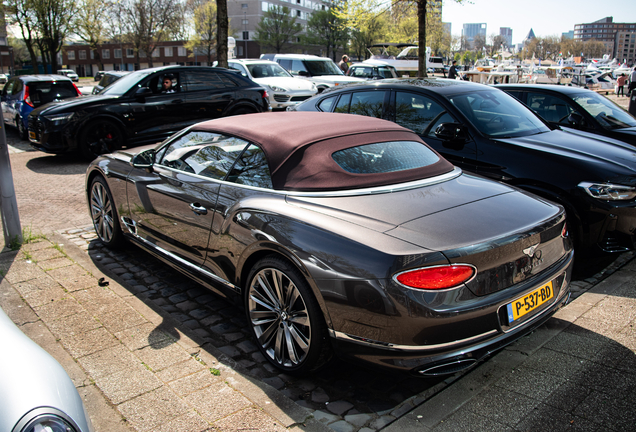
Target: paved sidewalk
[[135, 366]]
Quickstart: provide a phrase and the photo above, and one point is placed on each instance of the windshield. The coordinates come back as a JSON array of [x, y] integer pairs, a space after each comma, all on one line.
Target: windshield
[[125, 83], [322, 67], [497, 114], [267, 70], [606, 112]]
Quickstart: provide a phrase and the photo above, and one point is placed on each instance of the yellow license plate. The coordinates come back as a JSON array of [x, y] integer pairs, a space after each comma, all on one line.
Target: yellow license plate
[[32, 135], [529, 302]]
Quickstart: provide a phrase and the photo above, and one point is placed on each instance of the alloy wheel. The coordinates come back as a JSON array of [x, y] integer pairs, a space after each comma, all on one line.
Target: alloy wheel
[[279, 317], [102, 212]]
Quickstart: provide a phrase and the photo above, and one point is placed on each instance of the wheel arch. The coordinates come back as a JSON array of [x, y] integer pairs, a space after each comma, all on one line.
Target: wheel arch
[[256, 252]]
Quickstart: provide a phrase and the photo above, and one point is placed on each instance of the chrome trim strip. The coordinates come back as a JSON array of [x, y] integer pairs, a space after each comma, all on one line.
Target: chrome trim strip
[[363, 341], [456, 172], [183, 262], [410, 348]]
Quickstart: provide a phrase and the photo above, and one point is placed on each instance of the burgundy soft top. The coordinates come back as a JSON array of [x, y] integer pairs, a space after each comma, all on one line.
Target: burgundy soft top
[[299, 145]]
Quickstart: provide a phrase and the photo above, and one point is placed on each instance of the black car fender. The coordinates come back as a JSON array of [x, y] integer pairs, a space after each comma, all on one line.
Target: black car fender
[[89, 119]]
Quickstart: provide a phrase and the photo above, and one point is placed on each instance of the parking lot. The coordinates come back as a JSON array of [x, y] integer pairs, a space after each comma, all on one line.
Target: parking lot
[[169, 323]]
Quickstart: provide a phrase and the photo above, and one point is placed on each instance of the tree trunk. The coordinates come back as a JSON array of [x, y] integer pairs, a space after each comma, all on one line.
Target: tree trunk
[[222, 33], [421, 18]]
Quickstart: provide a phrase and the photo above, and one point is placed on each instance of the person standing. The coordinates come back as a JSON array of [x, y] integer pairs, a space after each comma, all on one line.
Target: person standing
[[344, 63], [452, 72], [632, 82], [620, 83]]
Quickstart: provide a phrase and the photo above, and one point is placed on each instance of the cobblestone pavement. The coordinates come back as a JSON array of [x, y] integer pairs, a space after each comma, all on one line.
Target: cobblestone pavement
[[344, 396]]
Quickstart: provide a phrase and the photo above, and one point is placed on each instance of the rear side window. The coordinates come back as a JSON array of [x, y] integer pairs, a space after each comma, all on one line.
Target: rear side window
[[366, 103], [204, 80], [45, 92], [385, 157]]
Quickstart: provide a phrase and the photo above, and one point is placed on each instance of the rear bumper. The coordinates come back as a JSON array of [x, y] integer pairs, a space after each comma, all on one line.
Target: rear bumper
[[447, 358]]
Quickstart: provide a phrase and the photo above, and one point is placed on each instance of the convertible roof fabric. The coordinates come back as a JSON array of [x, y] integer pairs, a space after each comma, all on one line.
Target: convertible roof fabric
[[299, 148]]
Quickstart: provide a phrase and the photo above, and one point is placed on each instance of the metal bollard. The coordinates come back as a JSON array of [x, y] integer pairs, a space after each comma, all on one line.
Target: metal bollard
[[632, 102], [8, 203]]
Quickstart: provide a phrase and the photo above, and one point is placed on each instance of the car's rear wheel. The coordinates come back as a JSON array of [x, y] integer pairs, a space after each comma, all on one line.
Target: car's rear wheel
[[285, 318], [244, 110], [104, 213], [22, 131], [100, 137]]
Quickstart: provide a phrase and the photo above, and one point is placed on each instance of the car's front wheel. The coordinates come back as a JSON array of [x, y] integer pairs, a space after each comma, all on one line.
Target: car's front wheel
[[104, 213], [100, 137], [22, 131], [285, 317]]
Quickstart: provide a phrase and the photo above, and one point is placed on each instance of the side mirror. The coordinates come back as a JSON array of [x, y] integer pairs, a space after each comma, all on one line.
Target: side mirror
[[303, 73], [454, 135], [145, 159], [143, 92], [576, 119]]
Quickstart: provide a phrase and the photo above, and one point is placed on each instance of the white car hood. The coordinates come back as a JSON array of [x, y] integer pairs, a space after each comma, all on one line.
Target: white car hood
[[286, 83]]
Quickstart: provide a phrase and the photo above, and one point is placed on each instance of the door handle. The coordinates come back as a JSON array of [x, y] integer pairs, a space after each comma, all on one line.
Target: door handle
[[177, 101], [198, 209]]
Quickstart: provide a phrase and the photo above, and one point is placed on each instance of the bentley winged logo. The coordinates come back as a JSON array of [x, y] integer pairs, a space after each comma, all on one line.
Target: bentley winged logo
[[530, 251]]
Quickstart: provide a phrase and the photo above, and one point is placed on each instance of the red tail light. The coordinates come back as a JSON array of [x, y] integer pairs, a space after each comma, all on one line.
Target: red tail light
[[79, 93], [437, 278], [27, 97]]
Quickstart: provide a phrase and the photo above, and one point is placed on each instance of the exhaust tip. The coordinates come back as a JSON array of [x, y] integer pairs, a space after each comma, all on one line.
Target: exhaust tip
[[448, 368]]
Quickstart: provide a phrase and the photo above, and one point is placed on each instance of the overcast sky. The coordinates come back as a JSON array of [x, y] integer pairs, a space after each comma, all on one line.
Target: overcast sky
[[545, 17]]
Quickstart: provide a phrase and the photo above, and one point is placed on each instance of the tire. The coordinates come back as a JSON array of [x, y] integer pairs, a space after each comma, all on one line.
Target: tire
[[104, 214], [285, 318], [244, 110], [22, 131], [100, 137]]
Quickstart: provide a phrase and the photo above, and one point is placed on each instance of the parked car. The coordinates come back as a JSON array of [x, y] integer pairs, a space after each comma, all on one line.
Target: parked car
[[370, 70], [23, 93], [99, 75], [486, 131], [576, 109], [136, 109], [350, 235], [37, 393], [69, 73], [321, 71], [107, 79], [283, 89]]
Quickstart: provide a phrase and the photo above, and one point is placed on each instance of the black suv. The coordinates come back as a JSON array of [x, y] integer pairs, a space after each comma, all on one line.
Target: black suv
[[486, 131], [143, 107]]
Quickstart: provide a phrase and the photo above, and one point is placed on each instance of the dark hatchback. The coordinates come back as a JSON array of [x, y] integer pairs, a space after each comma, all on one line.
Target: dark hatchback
[[486, 131], [350, 236], [136, 109], [107, 79], [24, 93], [576, 110]]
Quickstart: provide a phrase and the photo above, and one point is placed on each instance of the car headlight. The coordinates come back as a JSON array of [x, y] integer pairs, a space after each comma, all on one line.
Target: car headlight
[[58, 119], [45, 422], [277, 89], [609, 191]]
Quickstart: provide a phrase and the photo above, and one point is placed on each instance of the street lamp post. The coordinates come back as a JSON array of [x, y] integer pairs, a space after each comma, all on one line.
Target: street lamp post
[[245, 32]]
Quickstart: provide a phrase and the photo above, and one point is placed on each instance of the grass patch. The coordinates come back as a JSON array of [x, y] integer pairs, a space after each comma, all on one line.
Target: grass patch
[[215, 372], [28, 236]]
